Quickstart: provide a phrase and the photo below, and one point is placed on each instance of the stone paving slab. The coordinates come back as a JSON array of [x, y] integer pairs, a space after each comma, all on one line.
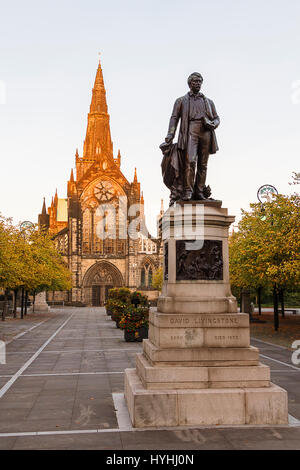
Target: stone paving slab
[[103, 441], [12, 327], [88, 357]]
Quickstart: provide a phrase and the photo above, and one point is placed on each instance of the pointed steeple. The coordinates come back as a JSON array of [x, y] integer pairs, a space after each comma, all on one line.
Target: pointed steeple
[[98, 142], [72, 176], [142, 198], [98, 104], [135, 176]]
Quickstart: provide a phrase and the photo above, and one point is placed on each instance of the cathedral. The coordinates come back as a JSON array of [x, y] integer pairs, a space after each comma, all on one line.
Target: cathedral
[[100, 227]]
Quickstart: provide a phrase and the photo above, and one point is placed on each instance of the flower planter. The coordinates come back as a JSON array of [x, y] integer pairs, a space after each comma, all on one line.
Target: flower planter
[[131, 336]]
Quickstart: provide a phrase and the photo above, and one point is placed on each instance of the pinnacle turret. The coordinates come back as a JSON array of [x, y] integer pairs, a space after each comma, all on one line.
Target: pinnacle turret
[[44, 212], [43, 218]]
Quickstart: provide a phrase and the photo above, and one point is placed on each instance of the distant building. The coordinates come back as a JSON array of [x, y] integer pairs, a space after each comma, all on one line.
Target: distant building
[[90, 226]]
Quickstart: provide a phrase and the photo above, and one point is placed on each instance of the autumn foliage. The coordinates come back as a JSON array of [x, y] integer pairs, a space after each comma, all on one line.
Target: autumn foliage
[[265, 251], [29, 260]]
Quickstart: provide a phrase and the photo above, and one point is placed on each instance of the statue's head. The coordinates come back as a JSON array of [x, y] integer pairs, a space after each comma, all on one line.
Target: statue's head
[[195, 81]]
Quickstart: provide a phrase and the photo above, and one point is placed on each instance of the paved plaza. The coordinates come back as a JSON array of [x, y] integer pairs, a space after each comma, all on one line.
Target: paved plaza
[[63, 382]]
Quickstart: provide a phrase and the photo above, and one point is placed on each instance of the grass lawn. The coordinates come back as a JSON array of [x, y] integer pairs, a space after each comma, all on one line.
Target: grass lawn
[[289, 329]]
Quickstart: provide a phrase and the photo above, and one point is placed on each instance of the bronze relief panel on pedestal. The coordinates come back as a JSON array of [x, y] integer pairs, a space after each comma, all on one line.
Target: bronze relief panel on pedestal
[[205, 263]]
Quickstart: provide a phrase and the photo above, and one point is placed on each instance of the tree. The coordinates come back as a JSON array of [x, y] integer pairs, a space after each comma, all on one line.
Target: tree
[[29, 261], [157, 280], [48, 270], [266, 249]]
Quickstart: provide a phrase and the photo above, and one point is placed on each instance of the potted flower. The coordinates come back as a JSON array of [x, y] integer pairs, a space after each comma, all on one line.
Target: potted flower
[[112, 295], [118, 299], [135, 324], [137, 298]]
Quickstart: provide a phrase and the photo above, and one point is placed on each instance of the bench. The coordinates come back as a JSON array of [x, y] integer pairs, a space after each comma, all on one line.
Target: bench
[[294, 311]]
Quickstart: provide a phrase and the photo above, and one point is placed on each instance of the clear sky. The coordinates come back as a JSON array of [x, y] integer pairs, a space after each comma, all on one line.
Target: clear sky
[[247, 51]]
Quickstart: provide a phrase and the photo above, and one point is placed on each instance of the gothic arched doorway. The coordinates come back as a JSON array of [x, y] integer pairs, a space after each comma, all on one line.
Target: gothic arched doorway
[[97, 281]]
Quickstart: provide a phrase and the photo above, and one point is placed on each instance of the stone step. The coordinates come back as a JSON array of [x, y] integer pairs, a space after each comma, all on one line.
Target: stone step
[[225, 406], [176, 377], [202, 356]]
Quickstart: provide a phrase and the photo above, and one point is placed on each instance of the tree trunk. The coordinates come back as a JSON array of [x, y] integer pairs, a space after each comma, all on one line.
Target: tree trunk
[[15, 302], [4, 311], [22, 303], [259, 300], [275, 302], [4, 305], [26, 299], [282, 302], [33, 302]]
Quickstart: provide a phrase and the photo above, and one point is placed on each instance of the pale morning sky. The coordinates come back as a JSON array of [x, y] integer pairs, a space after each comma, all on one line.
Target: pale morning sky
[[247, 51]]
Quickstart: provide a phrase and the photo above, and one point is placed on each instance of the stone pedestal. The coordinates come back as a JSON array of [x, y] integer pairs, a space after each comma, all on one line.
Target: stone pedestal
[[197, 367], [40, 304]]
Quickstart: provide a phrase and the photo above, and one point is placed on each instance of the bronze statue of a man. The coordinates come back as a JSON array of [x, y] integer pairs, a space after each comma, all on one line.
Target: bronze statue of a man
[[196, 141]]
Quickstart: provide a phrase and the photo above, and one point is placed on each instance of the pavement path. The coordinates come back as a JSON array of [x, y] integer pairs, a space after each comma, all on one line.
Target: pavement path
[[62, 388]]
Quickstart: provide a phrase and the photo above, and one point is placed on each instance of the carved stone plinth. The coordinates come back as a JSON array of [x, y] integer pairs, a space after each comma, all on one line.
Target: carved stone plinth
[[197, 367], [40, 304]]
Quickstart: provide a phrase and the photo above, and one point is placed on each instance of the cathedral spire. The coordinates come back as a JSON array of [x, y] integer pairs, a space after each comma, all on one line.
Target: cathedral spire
[[135, 176], [98, 144], [72, 176], [98, 104]]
